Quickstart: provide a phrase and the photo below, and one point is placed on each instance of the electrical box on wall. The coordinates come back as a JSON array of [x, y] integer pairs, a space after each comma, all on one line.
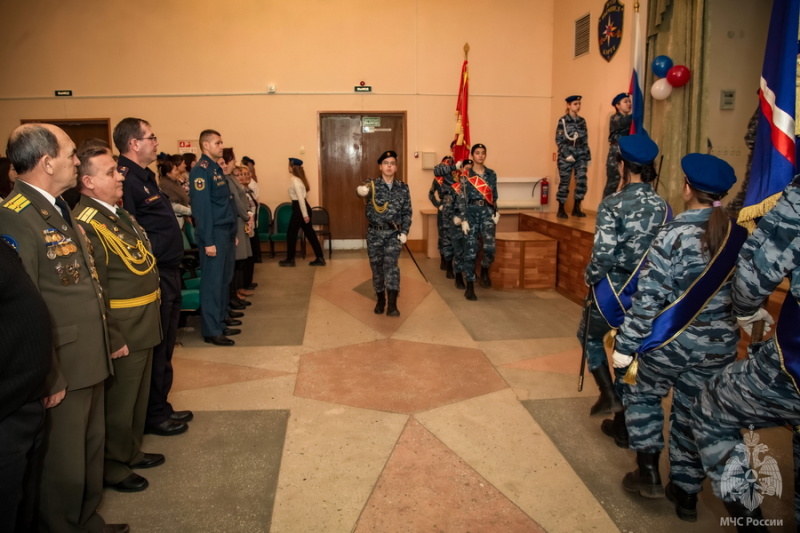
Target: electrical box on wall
[[428, 160], [727, 99]]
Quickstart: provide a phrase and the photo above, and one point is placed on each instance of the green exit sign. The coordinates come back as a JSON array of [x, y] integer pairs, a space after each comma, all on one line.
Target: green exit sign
[[64, 92], [363, 88], [371, 122]]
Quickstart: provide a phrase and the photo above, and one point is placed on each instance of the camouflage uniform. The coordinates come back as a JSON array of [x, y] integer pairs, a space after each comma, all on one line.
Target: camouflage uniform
[[446, 204], [577, 148], [475, 209], [627, 223], [707, 345], [383, 245], [754, 391], [619, 126]]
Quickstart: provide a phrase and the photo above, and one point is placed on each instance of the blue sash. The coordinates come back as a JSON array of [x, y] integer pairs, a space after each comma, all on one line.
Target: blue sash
[[612, 304], [787, 338]]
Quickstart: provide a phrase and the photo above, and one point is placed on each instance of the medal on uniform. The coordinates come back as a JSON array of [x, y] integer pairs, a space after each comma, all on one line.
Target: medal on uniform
[[62, 274], [51, 250]]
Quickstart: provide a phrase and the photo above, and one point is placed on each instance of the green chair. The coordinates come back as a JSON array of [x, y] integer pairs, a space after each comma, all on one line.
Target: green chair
[[264, 223], [283, 213]]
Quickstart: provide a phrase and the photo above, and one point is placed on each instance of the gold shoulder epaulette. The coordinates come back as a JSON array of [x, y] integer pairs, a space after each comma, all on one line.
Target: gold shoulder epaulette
[[87, 214], [17, 203]]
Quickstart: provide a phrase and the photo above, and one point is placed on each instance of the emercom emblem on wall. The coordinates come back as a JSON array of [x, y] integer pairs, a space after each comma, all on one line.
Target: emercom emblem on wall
[[609, 28]]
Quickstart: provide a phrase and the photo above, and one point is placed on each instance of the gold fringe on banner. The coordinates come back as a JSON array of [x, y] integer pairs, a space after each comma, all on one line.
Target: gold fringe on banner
[[748, 214]]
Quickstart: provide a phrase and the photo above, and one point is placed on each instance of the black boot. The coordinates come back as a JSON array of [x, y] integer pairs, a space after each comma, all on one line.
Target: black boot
[[486, 282], [381, 303], [608, 401], [685, 503], [747, 517], [460, 281], [391, 310], [442, 264], [470, 293], [576, 210], [562, 213], [616, 429], [450, 274], [646, 479]]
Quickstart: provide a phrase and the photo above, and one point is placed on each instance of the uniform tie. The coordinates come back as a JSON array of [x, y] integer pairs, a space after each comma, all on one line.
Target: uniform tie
[[64, 208], [124, 216]]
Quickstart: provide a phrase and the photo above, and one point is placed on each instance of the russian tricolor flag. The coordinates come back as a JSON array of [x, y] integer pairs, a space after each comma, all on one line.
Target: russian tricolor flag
[[774, 155]]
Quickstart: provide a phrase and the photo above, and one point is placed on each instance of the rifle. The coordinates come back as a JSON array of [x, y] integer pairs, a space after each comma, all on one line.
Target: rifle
[[587, 313]]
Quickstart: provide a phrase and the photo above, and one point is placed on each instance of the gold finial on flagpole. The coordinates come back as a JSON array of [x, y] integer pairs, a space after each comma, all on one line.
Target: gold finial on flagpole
[[466, 51], [636, 6]]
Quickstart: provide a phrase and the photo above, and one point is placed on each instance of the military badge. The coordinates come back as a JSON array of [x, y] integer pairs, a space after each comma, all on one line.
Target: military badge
[[146, 190], [9, 240], [123, 171], [203, 163], [609, 28], [199, 184]]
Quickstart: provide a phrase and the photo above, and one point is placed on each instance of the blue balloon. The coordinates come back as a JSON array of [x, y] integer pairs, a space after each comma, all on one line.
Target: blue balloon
[[661, 66]]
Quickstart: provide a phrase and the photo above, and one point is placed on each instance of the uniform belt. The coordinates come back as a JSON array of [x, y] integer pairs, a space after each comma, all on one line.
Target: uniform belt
[[479, 202], [135, 302], [384, 227]]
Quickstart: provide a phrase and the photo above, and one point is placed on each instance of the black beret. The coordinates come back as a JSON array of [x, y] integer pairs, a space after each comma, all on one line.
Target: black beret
[[387, 154]]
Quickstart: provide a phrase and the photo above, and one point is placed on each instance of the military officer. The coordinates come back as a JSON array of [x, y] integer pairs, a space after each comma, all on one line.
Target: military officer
[[36, 222], [760, 391], [142, 198], [572, 141], [437, 195], [627, 223], [215, 232], [476, 212], [128, 274], [681, 326], [619, 125], [388, 209]]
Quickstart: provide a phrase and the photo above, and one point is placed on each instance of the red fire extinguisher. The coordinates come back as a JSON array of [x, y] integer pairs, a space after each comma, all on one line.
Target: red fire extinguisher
[[544, 191]]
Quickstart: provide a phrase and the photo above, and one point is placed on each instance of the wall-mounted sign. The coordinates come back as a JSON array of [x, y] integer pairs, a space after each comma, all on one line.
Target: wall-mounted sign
[[64, 92], [363, 88], [371, 122], [187, 147]]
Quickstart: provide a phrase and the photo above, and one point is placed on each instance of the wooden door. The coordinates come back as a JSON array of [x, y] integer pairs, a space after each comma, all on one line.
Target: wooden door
[[349, 151], [80, 130]]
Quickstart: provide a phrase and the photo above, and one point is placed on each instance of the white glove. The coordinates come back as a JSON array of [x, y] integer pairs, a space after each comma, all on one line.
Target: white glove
[[465, 227], [746, 322], [570, 158], [496, 218], [459, 164], [621, 360], [441, 207], [403, 238], [457, 221], [362, 190]]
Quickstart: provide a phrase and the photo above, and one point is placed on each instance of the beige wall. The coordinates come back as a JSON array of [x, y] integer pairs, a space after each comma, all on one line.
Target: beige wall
[[187, 66]]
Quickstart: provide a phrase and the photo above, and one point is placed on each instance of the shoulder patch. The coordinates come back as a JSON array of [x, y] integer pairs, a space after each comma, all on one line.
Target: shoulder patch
[[199, 184], [17, 203], [203, 163], [9, 240], [87, 214]]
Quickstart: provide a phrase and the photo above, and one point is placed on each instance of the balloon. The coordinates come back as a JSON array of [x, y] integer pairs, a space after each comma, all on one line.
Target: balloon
[[661, 89], [661, 66], [678, 76]]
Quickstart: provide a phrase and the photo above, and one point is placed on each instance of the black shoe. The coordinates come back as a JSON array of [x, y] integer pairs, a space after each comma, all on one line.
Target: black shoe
[[460, 281], [167, 428], [685, 503], [391, 309], [286, 263], [232, 322], [219, 340], [252, 287], [608, 401], [562, 213], [646, 480], [450, 274], [470, 292], [381, 305], [116, 528], [132, 483], [235, 314], [182, 416], [237, 306], [240, 301], [486, 281], [318, 262], [230, 332], [576, 210], [150, 460], [616, 429], [443, 264]]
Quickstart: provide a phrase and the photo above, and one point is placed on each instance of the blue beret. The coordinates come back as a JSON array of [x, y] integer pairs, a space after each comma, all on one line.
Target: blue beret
[[639, 149], [708, 173], [572, 98], [296, 162], [617, 99], [385, 155]]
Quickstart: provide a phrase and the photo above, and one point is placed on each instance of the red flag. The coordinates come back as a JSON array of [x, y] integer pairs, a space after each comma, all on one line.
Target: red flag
[[462, 140]]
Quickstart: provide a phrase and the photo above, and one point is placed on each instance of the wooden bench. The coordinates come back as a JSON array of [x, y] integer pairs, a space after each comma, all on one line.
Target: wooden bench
[[524, 260]]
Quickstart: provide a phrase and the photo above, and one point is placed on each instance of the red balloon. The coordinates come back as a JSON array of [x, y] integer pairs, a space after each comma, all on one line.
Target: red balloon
[[678, 76]]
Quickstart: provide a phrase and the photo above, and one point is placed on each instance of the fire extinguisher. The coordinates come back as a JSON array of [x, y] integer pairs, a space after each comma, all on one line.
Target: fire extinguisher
[[544, 191]]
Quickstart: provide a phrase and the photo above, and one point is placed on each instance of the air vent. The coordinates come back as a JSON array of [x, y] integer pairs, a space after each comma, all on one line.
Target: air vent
[[582, 36]]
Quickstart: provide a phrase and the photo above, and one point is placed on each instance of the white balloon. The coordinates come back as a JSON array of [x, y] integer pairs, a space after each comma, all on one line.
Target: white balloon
[[661, 89]]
